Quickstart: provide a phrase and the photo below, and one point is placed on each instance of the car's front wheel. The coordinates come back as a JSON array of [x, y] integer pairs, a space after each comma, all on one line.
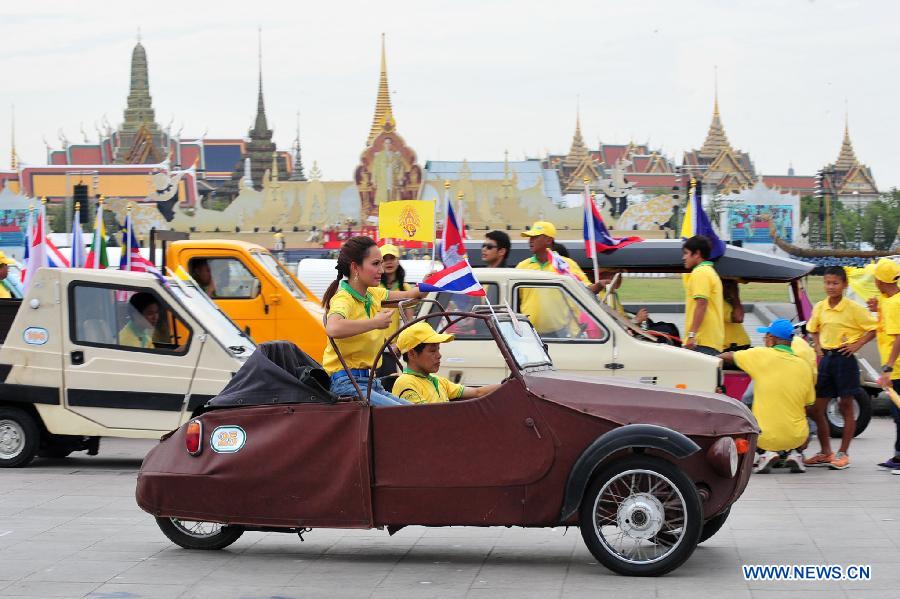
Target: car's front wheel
[[641, 516], [199, 535], [862, 412]]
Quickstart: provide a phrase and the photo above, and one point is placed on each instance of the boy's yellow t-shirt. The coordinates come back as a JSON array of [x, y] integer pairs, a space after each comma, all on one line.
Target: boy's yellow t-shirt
[[703, 282], [419, 388], [888, 328], [360, 350], [783, 388], [845, 323]]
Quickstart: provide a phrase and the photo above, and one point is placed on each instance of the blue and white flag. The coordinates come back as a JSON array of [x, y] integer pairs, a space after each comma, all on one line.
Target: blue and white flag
[[459, 278], [77, 258]]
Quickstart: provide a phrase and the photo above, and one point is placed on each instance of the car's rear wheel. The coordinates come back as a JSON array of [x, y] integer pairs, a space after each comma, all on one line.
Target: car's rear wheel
[[19, 438], [192, 534], [641, 516], [862, 412], [713, 525]]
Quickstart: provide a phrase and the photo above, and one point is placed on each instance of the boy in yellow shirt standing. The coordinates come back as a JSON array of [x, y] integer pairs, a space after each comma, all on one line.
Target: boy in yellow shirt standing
[[888, 308], [840, 327], [783, 387], [703, 314], [420, 346]]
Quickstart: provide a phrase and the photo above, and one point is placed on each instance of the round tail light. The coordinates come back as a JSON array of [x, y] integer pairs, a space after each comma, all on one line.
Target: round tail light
[[192, 437]]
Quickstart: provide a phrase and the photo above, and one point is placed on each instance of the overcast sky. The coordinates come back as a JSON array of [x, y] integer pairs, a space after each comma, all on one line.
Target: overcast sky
[[471, 78]]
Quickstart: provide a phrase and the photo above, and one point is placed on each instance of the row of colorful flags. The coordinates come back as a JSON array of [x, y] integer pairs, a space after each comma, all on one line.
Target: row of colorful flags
[[40, 251]]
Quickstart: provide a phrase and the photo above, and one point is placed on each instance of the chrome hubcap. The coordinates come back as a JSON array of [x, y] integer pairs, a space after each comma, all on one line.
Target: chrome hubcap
[[640, 516], [834, 412], [12, 439]]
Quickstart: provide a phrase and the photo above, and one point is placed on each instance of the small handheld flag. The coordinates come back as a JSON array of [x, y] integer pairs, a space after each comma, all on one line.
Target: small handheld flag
[[458, 278], [602, 241], [453, 250], [131, 254], [696, 222]]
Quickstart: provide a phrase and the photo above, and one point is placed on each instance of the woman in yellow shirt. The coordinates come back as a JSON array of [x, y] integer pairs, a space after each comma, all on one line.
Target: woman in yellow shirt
[[355, 321]]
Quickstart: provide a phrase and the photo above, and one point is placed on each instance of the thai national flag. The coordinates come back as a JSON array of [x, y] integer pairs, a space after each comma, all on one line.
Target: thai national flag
[[459, 278], [696, 222], [453, 250], [55, 258], [131, 254], [603, 241]]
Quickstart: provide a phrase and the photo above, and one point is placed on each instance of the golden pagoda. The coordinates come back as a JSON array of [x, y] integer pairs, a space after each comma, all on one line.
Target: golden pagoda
[[852, 179]]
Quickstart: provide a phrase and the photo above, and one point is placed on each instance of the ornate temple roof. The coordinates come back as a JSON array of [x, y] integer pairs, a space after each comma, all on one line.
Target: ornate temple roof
[[578, 152], [383, 110], [716, 141], [847, 157]]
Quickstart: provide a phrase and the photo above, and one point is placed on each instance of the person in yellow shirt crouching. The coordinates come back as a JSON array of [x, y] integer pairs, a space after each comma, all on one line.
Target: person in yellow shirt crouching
[[784, 387], [420, 346]]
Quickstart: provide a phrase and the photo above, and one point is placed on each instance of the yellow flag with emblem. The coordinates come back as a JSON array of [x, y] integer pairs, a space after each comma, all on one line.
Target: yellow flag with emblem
[[409, 220]]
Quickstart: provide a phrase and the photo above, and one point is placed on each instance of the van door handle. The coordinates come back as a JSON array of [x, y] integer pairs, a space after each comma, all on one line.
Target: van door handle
[[614, 366], [77, 357]]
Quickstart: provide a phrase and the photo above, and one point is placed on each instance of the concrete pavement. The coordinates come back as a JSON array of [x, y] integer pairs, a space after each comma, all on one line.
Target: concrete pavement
[[71, 528]]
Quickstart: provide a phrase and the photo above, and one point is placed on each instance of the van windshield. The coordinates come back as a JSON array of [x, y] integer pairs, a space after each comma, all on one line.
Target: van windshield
[[274, 268], [212, 318]]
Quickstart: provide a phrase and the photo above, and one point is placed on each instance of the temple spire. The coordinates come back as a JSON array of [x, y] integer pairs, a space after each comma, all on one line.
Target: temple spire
[[847, 158], [716, 140], [139, 114], [383, 111], [578, 150], [260, 125], [297, 173]]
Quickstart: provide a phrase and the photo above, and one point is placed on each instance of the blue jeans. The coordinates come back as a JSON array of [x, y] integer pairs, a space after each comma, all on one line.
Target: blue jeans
[[342, 386]]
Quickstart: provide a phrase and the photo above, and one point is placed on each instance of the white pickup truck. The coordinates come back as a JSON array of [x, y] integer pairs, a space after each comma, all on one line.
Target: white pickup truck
[[68, 375], [594, 339]]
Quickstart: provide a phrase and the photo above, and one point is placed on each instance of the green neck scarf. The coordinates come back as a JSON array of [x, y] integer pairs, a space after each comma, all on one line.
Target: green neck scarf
[[366, 300], [430, 377], [704, 263], [783, 348]]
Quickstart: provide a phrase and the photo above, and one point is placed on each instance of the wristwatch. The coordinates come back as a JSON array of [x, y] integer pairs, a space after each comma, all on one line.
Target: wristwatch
[[691, 335], [887, 368]]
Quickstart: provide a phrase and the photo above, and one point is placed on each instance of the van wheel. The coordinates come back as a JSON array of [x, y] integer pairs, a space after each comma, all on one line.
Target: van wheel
[[191, 534], [641, 516], [19, 438], [862, 410]]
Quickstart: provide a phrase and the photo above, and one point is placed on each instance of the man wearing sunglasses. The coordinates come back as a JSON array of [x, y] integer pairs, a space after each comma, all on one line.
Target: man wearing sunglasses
[[495, 249]]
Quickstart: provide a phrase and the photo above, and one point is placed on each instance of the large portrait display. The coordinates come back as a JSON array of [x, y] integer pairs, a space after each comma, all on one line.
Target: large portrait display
[[753, 223]]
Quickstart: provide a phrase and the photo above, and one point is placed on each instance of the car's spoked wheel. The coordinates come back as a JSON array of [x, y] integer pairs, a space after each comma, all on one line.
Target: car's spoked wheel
[[192, 534], [641, 517]]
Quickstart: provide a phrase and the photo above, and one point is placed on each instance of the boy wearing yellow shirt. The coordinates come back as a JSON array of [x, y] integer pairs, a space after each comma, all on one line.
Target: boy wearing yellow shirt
[[783, 387], [704, 319], [840, 327], [420, 346], [888, 333]]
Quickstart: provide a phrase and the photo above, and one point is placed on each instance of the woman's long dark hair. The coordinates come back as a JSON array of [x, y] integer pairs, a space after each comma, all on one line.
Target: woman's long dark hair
[[399, 277], [353, 250]]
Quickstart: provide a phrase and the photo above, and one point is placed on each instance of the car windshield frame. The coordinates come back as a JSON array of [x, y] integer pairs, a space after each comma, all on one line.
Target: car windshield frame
[[271, 265], [190, 297], [525, 338]]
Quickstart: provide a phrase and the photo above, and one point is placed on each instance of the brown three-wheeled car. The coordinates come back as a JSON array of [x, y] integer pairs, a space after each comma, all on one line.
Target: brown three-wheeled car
[[646, 473]]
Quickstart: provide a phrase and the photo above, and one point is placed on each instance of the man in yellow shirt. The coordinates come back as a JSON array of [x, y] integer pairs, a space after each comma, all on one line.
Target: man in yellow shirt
[[783, 384], [704, 319], [888, 335], [548, 309], [420, 346], [840, 327], [4, 272]]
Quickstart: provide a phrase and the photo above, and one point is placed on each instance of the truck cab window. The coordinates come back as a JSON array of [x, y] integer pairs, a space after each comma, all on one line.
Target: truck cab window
[[224, 278], [556, 315], [125, 318]]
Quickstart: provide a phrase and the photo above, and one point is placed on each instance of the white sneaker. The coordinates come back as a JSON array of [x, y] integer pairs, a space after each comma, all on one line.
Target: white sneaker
[[895, 472], [766, 461], [794, 461]]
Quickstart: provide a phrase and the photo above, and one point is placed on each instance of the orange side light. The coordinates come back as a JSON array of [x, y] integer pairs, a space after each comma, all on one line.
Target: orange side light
[[742, 445], [681, 386]]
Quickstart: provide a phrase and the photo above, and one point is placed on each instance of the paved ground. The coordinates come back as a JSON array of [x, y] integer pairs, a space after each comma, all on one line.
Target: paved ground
[[70, 528]]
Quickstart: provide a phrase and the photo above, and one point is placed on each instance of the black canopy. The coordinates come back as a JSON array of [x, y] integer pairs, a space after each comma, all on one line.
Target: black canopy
[[277, 372]]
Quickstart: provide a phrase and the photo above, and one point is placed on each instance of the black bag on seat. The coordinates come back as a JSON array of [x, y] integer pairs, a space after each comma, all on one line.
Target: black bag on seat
[[277, 372]]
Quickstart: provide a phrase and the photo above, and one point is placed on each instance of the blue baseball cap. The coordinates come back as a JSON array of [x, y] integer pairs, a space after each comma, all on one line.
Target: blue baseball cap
[[780, 328]]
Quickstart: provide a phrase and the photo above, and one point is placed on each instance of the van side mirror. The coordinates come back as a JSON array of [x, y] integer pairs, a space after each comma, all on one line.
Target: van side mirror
[[254, 288]]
